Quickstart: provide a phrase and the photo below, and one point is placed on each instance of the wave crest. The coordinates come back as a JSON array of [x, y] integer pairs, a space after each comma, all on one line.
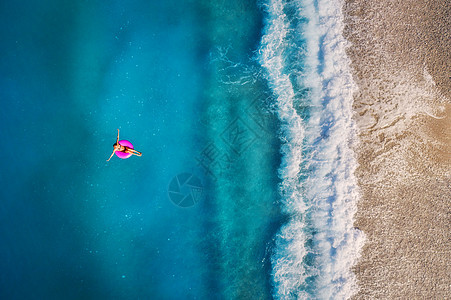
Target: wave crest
[[303, 54]]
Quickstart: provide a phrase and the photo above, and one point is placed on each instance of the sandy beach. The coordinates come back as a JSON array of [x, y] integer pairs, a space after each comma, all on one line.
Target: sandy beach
[[401, 60]]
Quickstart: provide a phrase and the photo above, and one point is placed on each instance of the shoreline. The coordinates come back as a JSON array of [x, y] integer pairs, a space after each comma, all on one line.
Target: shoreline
[[399, 56]]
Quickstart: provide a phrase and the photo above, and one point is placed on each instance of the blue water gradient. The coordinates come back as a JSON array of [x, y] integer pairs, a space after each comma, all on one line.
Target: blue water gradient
[[178, 79]]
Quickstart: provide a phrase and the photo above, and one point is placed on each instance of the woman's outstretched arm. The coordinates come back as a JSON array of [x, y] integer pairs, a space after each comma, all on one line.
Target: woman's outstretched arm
[[117, 141], [111, 155]]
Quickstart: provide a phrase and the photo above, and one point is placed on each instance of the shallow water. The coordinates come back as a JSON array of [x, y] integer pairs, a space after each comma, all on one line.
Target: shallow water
[[75, 226]]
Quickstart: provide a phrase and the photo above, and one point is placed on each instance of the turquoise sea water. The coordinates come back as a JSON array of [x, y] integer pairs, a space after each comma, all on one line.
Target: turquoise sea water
[[202, 89]]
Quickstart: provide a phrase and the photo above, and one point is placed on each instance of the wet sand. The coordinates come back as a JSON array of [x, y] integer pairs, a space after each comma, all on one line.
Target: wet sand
[[401, 60]]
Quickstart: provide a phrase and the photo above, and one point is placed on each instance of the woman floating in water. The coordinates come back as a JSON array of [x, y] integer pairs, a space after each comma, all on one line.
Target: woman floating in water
[[123, 149]]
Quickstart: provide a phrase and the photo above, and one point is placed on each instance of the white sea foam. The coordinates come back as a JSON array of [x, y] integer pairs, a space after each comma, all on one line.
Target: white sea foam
[[318, 187]]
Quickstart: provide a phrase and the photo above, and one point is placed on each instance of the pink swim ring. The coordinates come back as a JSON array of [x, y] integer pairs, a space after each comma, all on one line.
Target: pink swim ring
[[123, 155]]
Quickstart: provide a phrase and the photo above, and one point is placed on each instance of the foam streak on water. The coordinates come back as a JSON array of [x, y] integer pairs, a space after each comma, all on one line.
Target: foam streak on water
[[317, 247]]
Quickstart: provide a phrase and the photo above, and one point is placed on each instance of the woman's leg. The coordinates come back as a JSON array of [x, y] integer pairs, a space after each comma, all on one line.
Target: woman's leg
[[133, 152]]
